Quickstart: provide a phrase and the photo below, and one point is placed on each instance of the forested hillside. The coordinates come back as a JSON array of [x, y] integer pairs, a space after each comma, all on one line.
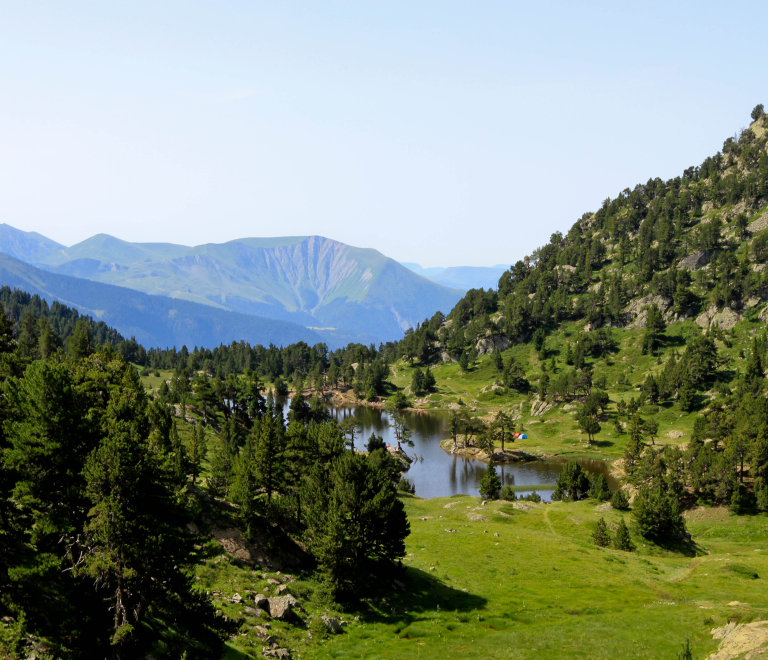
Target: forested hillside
[[646, 311]]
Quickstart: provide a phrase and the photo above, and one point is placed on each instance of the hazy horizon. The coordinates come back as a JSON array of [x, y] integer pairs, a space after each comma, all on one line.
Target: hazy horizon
[[447, 134]]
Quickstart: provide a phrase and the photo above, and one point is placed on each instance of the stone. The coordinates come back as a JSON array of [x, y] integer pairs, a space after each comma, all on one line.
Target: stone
[[283, 588], [283, 654], [496, 535], [724, 319], [237, 598], [539, 408], [759, 224], [260, 600], [254, 612], [332, 625], [280, 607], [273, 581], [675, 434], [487, 345], [695, 261], [636, 313]]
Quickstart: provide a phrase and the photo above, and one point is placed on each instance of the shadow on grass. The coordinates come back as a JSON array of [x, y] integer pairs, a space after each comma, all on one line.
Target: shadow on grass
[[685, 547], [423, 593], [602, 443]]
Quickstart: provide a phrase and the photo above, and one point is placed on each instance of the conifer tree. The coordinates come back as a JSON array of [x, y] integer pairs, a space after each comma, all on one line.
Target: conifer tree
[[490, 484], [601, 536], [622, 540], [619, 500]]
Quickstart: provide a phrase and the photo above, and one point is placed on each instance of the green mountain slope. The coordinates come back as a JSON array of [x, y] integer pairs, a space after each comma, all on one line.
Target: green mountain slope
[[153, 320], [357, 293], [638, 333]]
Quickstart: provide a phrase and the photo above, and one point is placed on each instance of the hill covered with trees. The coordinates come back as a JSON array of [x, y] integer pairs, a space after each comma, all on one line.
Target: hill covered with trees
[[645, 317]]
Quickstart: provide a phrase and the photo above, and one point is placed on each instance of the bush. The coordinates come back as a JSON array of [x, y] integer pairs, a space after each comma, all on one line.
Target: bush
[[531, 497], [156, 374], [622, 540], [572, 483], [490, 484], [508, 493], [281, 387], [600, 536], [619, 500], [658, 514], [598, 488], [405, 486]]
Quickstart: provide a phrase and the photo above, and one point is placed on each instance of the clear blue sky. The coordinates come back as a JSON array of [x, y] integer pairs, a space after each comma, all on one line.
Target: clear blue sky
[[443, 133]]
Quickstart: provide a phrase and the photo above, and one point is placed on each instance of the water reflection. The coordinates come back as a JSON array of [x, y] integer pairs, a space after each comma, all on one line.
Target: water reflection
[[438, 474]]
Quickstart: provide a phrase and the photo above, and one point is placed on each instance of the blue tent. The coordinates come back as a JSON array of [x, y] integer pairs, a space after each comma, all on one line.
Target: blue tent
[[523, 437]]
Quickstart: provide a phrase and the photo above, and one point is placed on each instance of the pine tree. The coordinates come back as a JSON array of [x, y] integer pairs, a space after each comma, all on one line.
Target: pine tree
[[268, 448], [80, 342], [622, 540], [490, 484], [196, 451], [600, 536], [619, 500]]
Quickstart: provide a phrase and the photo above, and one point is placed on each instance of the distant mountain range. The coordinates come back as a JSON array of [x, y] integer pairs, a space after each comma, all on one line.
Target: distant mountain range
[[462, 277], [155, 321], [339, 292]]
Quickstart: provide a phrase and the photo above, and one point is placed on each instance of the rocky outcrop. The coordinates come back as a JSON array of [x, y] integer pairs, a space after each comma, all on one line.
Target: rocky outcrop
[[539, 408], [724, 319], [487, 345], [636, 314], [695, 261], [759, 224], [740, 640]]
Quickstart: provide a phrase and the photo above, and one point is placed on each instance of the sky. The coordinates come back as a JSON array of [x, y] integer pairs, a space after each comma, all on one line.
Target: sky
[[442, 133]]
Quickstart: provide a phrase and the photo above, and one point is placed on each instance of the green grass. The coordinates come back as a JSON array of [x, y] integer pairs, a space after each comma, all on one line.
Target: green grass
[[538, 590], [557, 432], [541, 589]]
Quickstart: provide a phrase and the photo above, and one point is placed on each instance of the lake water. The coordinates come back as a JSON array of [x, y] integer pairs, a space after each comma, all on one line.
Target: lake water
[[435, 472]]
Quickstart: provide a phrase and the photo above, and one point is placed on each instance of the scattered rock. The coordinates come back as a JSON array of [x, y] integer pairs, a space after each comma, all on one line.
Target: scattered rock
[[254, 612], [260, 600], [450, 530], [233, 542], [476, 517], [280, 607], [283, 654], [237, 598], [332, 625], [695, 261], [525, 506], [675, 434], [606, 506], [273, 581], [282, 589], [496, 535], [450, 504]]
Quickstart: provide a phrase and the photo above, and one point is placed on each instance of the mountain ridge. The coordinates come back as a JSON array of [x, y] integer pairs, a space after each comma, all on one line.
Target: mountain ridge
[[155, 321], [310, 280]]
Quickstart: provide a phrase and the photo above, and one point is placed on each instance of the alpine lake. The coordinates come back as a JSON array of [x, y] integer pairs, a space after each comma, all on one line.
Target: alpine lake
[[437, 473]]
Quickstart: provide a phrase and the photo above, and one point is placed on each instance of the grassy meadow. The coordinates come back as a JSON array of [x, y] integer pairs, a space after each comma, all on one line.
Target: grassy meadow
[[530, 584]]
